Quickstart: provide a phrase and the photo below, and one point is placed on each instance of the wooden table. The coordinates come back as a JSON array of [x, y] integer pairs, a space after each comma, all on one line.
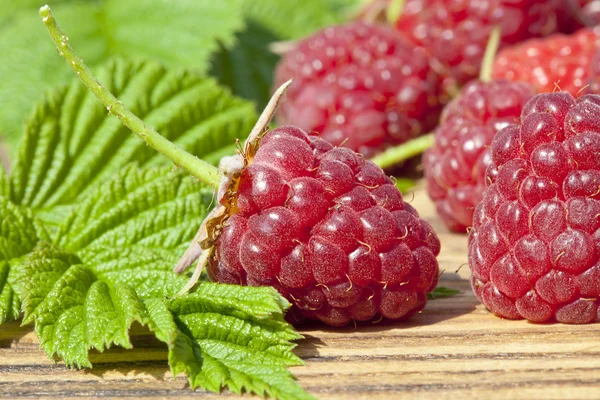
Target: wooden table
[[455, 349]]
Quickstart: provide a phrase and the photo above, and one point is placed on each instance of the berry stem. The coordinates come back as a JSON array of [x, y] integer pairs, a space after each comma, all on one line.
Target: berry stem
[[394, 11], [485, 72], [398, 154], [202, 170]]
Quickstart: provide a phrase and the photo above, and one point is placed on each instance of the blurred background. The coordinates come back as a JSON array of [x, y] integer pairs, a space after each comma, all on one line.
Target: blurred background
[[226, 39], [238, 42]]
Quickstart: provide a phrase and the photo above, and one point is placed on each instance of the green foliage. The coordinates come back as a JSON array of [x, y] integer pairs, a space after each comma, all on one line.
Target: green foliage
[[19, 234], [113, 251], [183, 34], [110, 266], [37, 274], [154, 208], [91, 226], [9, 301], [230, 38], [222, 343]]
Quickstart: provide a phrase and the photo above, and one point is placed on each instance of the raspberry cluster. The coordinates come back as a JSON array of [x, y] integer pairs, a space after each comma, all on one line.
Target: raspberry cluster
[[329, 230], [361, 85], [535, 244]]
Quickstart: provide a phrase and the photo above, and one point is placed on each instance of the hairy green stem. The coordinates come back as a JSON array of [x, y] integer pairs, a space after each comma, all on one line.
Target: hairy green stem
[[202, 170], [398, 154], [485, 73]]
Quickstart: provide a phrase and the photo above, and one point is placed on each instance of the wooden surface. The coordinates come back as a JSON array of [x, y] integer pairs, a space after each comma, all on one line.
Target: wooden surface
[[455, 349]]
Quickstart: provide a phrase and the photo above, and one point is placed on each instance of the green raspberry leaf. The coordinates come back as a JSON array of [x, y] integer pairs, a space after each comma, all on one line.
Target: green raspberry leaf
[[132, 229], [221, 343], [19, 231], [112, 309], [9, 301], [71, 142], [160, 320], [119, 223], [182, 33], [60, 320], [37, 274], [19, 234], [151, 207], [74, 310], [110, 264]]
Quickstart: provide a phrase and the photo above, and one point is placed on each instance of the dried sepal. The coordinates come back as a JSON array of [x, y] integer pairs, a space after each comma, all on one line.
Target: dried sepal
[[232, 168]]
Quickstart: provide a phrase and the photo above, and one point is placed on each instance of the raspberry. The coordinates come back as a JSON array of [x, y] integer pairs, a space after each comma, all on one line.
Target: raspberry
[[456, 32], [364, 86], [564, 61], [535, 244], [329, 230], [456, 163]]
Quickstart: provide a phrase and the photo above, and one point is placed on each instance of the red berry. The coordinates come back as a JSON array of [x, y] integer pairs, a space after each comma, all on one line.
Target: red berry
[[558, 61], [331, 232], [364, 86], [456, 32], [455, 166], [534, 249]]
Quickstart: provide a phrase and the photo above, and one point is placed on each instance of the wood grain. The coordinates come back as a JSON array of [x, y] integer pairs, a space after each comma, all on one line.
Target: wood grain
[[454, 349]]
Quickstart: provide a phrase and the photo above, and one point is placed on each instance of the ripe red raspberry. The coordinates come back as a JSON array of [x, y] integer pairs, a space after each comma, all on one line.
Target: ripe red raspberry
[[558, 61], [455, 165], [329, 230], [364, 86], [456, 32], [535, 244]]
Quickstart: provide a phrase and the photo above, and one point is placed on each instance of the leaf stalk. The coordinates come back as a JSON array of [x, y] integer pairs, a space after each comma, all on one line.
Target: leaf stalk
[[396, 155]]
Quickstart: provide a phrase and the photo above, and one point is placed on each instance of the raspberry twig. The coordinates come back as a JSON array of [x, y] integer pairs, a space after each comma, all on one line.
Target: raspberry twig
[[396, 155], [485, 73], [202, 170]]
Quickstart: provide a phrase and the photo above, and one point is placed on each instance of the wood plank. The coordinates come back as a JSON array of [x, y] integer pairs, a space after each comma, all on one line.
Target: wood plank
[[453, 349]]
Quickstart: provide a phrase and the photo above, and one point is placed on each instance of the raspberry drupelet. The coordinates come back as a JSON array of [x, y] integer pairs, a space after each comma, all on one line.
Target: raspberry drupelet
[[535, 244], [329, 230], [455, 165], [359, 85]]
